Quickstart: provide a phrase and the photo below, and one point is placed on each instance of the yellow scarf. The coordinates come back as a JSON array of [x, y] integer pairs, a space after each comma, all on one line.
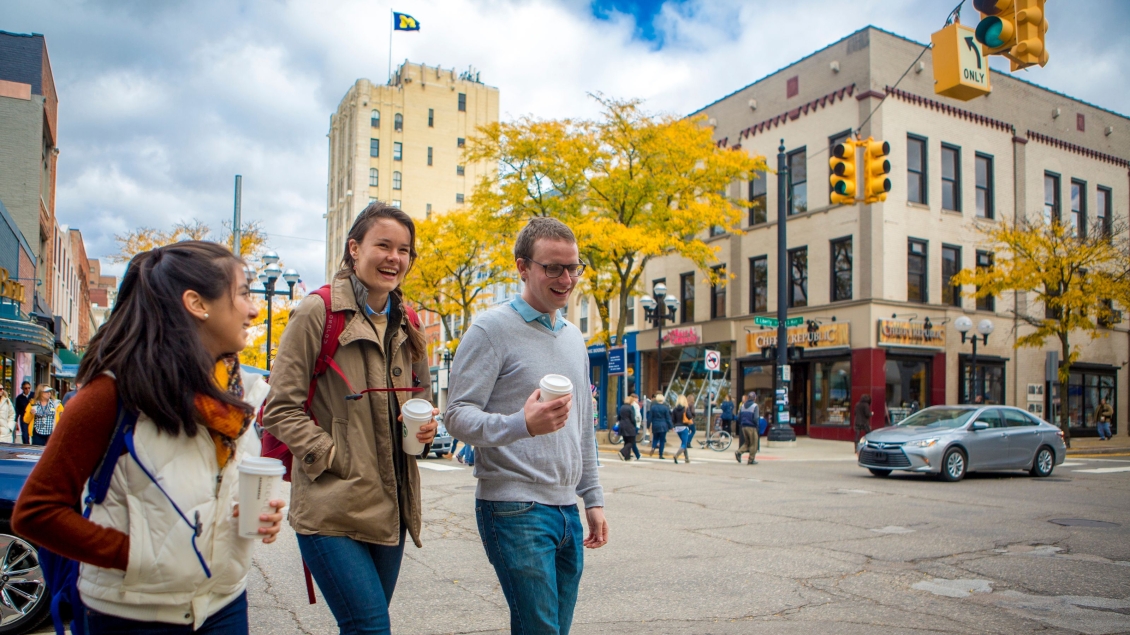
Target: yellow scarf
[[226, 423]]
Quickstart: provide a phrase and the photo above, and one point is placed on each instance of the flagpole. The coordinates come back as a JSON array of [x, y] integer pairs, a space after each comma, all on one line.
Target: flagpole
[[391, 19]]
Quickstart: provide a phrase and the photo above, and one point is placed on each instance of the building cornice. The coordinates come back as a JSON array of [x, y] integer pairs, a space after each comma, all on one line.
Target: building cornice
[[790, 115], [949, 110], [1071, 147]]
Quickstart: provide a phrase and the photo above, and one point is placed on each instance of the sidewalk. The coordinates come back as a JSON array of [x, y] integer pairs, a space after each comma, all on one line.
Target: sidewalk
[[1120, 444]]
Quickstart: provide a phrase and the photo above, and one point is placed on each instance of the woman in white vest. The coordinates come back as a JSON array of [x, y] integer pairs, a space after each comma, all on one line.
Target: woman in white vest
[[167, 352]]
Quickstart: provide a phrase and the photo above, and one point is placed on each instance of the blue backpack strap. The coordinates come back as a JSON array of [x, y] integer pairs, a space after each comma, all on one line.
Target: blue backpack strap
[[99, 483]]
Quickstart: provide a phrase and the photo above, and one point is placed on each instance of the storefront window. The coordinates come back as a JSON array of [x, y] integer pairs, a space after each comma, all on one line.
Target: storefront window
[[831, 393], [990, 383], [1084, 390], [684, 373], [759, 378], [908, 388]]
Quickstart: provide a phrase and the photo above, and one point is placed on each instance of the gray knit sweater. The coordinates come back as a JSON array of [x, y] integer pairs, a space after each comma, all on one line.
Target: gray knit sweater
[[500, 361]]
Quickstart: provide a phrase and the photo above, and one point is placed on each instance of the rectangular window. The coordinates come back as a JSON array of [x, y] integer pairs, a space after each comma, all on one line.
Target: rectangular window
[[758, 210], [631, 311], [916, 169], [1103, 210], [428, 210], [841, 269], [1079, 207], [460, 142], [1051, 197], [984, 186], [396, 180], [832, 143], [459, 171], [462, 102], [396, 203], [458, 198], [397, 151], [374, 147], [759, 284], [798, 277], [583, 315], [429, 155], [686, 297], [798, 181], [1051, 312], [374, 177], [916, 271], [985, 261], [431, 117], [951, 264], [951, 178], [718, 294]]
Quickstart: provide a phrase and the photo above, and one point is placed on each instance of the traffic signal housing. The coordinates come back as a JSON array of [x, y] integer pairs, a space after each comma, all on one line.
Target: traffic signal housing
[[997, 29], [1031, 27], [876, 169], [843, 164]]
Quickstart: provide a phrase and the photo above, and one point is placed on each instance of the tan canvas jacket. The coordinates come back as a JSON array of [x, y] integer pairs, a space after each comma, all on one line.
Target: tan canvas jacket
[[356, 494]]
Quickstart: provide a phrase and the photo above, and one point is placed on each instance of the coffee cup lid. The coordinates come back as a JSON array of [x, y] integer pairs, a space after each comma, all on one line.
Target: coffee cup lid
[[417, 408], [261, 466], [556, 383]]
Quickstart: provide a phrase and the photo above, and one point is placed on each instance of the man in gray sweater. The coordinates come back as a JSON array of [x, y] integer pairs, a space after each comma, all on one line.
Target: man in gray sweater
[[533, 459]]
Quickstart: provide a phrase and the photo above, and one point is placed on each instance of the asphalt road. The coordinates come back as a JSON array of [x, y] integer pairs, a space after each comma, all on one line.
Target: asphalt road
[[780, 547]]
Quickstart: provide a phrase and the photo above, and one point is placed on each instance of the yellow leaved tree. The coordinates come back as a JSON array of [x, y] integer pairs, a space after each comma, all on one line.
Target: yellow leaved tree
[[256, 352], [1076, 281], [630, 184], [252, 238]]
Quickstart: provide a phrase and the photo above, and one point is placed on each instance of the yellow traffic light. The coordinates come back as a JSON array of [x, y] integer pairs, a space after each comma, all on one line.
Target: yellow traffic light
[[997, 28], [960, 68], [875, 170], [1031, 25], [843, 172]]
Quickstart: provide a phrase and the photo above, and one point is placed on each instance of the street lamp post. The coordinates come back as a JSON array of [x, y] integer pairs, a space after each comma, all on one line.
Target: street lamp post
[[781, 430], [659, 308], [269, 276], [985, 327]]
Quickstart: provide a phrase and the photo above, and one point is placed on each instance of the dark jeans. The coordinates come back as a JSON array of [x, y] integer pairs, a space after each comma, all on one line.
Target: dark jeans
[[536, 553], [39, 439], [659, 440], [230, 620], [356, 578], [630, 446], [23, 431]]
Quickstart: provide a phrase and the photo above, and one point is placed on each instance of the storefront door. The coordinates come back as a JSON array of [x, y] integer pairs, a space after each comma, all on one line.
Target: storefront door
[[799, 391]]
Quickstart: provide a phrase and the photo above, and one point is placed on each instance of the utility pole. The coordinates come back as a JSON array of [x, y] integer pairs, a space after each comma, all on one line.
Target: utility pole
[[235, 225], [780, 430]]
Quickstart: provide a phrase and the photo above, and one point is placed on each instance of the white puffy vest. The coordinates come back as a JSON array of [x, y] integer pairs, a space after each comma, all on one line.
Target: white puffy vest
[[164, 581]]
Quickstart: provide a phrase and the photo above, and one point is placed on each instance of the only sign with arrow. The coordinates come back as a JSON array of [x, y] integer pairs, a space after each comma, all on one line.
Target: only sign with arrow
[[960, 68]]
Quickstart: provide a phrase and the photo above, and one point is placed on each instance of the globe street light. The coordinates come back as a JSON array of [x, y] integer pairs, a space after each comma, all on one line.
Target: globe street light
[[268, 277], [984, 328], [659, 308]]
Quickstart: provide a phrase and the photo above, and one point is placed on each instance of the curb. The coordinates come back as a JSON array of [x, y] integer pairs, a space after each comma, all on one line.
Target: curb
[[1116, 451]]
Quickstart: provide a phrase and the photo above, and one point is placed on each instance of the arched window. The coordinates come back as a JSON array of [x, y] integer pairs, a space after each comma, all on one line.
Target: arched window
[[374, 177], [396, 180], [375, 118], [398, 122]]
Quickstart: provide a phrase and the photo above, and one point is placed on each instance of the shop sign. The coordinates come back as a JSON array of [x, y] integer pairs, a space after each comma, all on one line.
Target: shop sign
[[903, 333], [10, 288], [834, 335], [688, 336], [617, 360]]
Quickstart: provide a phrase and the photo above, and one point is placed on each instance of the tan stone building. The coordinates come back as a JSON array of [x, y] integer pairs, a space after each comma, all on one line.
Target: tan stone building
[[403, 143], [873, 279]]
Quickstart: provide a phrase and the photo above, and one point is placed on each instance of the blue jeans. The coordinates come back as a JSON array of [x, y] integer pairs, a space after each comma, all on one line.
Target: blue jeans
[[1104, 430], [356, 578], [536, 551], [230, 620], [685, 438], [659, 440], [468, 453]]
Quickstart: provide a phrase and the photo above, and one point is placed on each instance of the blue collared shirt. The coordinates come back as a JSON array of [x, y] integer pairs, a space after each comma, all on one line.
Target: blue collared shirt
[[388, 304], [529, 314]]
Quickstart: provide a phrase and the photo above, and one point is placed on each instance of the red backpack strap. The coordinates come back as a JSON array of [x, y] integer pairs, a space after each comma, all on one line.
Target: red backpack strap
[[335, 324], [413, 317]]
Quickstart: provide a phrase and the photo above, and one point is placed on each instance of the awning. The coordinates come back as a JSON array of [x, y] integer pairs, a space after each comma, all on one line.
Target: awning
[[66, 363], [22, 336]]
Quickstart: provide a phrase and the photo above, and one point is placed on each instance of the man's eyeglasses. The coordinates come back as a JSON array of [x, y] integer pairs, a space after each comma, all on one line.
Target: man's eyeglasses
[[555, 271]]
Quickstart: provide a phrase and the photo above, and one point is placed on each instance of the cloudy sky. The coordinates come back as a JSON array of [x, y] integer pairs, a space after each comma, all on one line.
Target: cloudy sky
[[163, 102]]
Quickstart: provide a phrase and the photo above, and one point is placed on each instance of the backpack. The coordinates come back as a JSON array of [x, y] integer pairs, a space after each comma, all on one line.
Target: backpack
[[61, 573], [335, 324]]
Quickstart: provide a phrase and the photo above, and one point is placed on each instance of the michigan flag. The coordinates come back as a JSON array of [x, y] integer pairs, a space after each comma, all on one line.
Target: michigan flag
[[404, 22]]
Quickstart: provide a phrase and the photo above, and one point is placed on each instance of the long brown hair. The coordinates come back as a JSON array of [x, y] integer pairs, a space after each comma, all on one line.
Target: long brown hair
[[377, 210], [152, 344]]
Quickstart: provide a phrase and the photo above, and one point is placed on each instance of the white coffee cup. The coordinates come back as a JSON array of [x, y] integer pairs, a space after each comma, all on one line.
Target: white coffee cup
[[414, 414], [555, 387], [260, 479]]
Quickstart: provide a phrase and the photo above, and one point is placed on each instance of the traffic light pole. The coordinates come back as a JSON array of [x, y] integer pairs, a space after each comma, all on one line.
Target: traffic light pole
[[781, 430]]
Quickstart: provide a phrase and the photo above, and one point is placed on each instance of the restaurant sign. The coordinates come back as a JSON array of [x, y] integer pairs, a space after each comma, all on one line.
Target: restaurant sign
[[10, 288], [912, 334], [834, 335], [687, 336]]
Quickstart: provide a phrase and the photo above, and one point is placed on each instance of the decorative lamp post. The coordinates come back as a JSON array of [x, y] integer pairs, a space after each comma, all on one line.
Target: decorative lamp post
[[268, 277], [984, 328], [659, 308]]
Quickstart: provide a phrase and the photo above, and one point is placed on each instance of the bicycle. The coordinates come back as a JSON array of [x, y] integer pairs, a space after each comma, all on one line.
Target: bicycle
[[719, 440]]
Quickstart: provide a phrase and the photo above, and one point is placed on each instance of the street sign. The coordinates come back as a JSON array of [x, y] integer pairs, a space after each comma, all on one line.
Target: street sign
[[765, 321], [960, 68], [794, 321], [713, 360], [617, 360]]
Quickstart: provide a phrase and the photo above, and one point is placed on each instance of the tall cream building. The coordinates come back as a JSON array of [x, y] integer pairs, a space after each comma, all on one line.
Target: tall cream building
[[403, 143]]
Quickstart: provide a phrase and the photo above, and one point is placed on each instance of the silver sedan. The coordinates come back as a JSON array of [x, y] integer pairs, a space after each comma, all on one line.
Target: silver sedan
[[953, 440]]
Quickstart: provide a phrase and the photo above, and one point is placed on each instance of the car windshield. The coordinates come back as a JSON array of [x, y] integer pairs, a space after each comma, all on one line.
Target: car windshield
[[938, 418]]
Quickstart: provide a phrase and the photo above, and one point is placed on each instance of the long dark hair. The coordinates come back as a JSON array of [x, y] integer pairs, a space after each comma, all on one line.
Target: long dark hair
[[377, 210], [152, 344]]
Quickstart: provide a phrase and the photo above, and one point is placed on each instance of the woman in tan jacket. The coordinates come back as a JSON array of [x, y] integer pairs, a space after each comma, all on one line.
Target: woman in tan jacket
[[355, 492]]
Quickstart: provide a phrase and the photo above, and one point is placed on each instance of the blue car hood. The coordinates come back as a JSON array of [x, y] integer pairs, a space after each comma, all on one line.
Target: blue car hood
[[16, 462]]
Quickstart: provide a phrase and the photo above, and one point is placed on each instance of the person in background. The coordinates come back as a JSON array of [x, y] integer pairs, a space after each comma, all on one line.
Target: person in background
[[7, 418], [727, 408], [862, 419], [637, 418], [748, 421], [691, 427], [71, 393], [678, 417], [660, 417], [22, 401], [626, 419], [1103, 415], [42, 413]]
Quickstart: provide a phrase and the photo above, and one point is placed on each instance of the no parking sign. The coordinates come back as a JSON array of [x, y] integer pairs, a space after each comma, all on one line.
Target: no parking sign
[[713, 360]]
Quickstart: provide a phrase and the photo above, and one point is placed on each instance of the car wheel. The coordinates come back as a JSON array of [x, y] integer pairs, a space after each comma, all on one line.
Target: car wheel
[[879, 473], [1044, 462], [24, 600], [953, 465]]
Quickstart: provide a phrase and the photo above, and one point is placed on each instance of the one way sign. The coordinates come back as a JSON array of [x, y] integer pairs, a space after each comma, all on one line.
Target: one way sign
[[960, 68]]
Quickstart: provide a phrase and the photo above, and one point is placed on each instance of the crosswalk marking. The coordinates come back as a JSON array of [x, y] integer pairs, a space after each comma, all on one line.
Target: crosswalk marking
[[438, 467], [1105, 470]]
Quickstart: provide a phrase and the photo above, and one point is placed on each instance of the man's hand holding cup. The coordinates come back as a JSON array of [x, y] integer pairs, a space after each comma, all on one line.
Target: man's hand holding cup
[[544, 417]]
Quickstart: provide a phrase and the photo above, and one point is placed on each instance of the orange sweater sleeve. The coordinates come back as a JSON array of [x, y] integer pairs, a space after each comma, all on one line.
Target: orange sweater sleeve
[[47, 512]]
